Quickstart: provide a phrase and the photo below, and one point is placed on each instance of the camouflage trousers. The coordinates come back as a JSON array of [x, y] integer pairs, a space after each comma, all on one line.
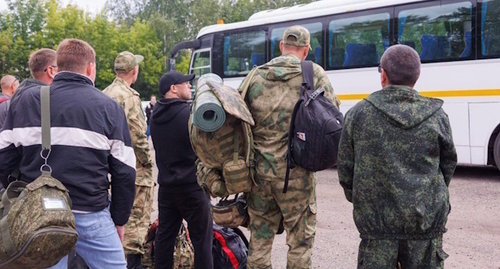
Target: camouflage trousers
[[266, 204], [411, 254], [138, 223]]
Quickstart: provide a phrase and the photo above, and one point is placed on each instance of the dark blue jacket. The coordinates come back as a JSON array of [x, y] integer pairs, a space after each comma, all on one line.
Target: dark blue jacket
[[89, 137]]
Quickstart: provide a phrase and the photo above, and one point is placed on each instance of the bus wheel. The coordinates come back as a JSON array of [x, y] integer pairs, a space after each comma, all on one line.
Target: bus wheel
[[496, 151]]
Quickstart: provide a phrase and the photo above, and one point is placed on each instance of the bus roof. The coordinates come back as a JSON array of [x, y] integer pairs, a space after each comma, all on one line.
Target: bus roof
[[304, 11]]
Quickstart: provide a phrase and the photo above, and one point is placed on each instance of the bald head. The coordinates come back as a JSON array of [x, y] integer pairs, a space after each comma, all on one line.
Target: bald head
[[9, 84], [401, 65]]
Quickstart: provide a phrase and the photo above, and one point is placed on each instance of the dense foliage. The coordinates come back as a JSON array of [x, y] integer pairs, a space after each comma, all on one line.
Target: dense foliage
[[147, 27]]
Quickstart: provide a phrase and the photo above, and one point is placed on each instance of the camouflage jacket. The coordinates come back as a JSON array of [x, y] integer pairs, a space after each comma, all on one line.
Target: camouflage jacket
[[271, 96], [396, 160], [128, 98]]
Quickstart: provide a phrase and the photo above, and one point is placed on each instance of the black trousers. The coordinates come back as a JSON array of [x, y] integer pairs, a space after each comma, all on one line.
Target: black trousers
[[193, 207]]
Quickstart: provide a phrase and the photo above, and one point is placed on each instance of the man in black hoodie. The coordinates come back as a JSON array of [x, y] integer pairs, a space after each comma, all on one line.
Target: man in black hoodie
[[179, 196]]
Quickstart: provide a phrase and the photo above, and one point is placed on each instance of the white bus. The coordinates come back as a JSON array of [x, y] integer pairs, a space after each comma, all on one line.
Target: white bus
[[458, 42]]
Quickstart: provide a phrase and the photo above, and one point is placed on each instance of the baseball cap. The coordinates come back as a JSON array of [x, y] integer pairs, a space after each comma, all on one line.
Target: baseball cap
[[300, 33], [172, 78], [126, 61]]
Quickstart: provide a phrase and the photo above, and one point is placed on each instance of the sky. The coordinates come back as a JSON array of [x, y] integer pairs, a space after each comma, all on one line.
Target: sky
[[89, 5]]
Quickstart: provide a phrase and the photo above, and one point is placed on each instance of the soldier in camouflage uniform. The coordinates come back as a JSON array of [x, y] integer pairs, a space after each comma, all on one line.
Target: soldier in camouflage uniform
[[395, 163], [272, 94], [127, 69]]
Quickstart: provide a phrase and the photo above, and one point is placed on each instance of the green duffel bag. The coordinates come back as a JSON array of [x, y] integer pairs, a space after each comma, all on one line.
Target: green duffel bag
[[37, 227]]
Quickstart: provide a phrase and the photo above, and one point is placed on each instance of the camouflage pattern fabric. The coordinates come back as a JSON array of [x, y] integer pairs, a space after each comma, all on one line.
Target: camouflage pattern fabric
[[272, 94], [37, 220], [148, 258], [138, 223], [231, 101], [183, 250], [226, 151], [396, 160], [411, 254], [210, 180], [267, 203], [300, 33], [271, 97], [136, 227]]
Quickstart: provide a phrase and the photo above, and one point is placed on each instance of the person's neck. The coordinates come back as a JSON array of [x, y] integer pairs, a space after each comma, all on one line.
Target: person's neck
[[45, 80], [7, 92], [127, 80]]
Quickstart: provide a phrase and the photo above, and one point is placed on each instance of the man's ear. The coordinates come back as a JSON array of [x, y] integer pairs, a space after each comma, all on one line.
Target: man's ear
[[384, 81], [53, 72], [173, 89], [305, 52], [88, 70]]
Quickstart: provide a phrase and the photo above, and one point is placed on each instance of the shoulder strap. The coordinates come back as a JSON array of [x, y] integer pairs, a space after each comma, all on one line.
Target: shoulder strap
[[308, 75], [246, 84], [307, 84], [45, 109], [247, 130]]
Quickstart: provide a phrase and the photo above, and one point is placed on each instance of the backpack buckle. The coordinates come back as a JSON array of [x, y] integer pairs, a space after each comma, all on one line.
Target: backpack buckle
[[313, 95]]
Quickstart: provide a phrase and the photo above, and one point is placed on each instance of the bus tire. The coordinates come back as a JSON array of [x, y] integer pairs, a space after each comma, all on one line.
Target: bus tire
[[496, 151]]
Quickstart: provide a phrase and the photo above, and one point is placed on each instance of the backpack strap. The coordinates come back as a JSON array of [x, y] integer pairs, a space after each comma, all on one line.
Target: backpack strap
[[45, 111], [11, 193], [307, 75], [247, 129], [246, 84], [307, 84]]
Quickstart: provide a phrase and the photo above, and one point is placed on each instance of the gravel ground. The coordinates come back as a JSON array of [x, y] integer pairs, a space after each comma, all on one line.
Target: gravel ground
[[472, 240]]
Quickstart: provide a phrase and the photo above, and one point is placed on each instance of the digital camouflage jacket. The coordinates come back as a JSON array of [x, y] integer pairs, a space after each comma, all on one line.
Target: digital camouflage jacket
[[273, 92], [395, 163]]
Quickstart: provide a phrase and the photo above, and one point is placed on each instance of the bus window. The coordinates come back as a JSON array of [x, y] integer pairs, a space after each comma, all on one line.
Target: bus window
[[490, 28], [316, 35], [358, 41], [200, 64], [243, 51], [440, 32]]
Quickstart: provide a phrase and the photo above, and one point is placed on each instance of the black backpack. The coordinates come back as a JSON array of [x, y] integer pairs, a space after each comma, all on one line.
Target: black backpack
[[230, 248], [315, 128]]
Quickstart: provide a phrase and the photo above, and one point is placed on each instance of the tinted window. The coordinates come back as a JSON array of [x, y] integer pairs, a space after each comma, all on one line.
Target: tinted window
[[316, 34], [437, 32], [358, 41], [243, 51], [490, 25]]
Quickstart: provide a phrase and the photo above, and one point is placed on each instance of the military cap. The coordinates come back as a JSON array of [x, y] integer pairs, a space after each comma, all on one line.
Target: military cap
[[300, 33], [126, 61]]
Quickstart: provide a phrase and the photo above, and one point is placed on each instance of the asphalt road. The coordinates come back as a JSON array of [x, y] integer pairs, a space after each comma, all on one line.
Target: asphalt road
[[472, 240]]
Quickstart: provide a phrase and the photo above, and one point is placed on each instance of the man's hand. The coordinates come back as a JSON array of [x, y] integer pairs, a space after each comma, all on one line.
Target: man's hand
[[121, 232]]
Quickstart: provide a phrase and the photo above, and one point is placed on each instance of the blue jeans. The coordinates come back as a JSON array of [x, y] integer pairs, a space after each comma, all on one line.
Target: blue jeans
[[98, 242]]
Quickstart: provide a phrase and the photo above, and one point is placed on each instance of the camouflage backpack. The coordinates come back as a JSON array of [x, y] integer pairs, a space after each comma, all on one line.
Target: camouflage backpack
[[225, 155], [183, 250], [37, 227]]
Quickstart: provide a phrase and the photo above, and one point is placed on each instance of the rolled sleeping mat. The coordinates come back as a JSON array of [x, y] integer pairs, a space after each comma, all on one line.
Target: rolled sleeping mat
[[208, 114]]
